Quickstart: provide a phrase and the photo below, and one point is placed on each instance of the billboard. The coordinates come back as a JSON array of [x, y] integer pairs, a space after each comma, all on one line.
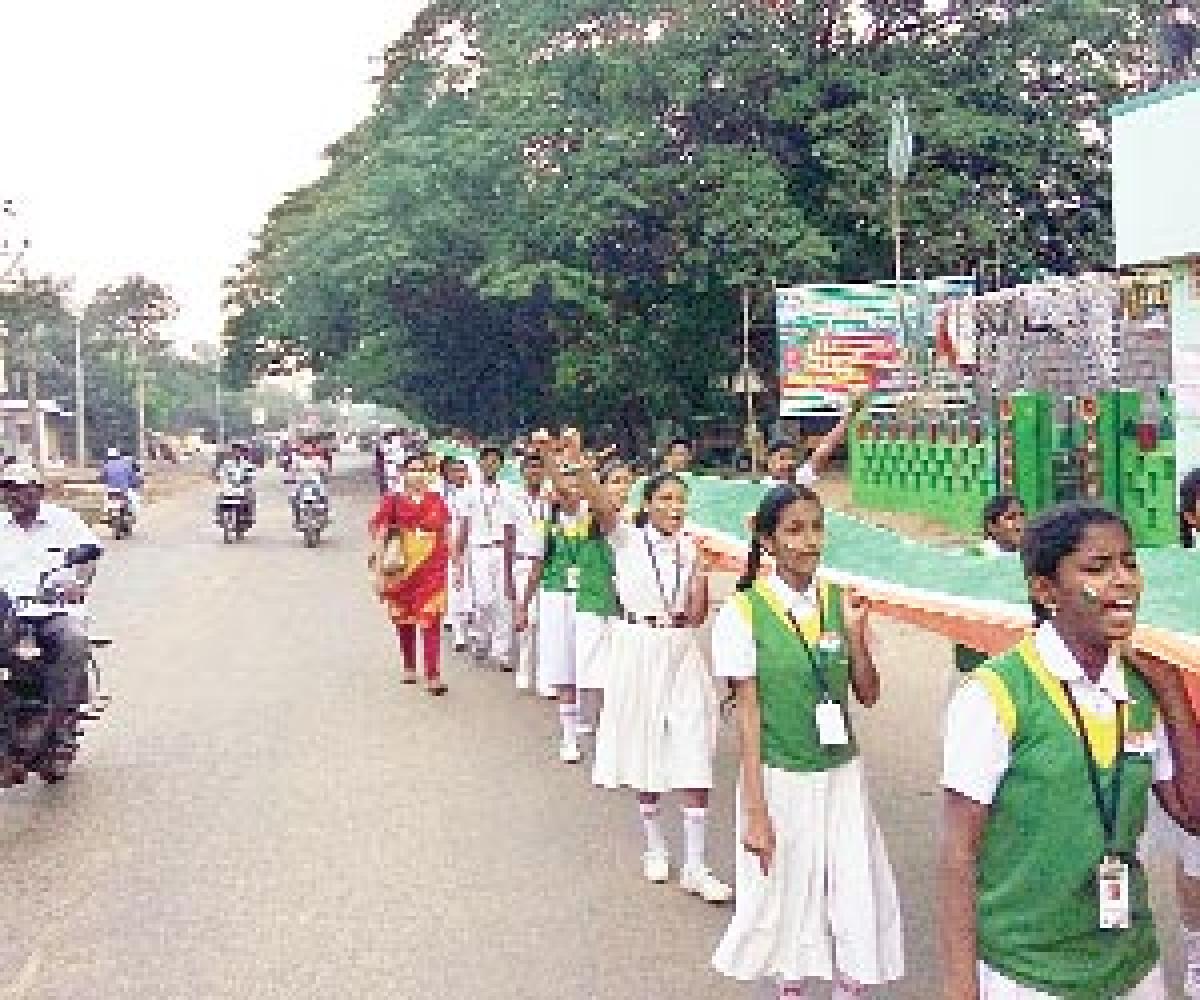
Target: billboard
[[838, 338]]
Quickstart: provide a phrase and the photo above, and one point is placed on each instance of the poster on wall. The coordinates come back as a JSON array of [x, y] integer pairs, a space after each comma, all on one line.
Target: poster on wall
[[835, 339]]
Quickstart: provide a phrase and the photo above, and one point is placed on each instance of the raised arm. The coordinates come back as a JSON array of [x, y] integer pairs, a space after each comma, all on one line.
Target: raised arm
[[830, 443], [599, 501]]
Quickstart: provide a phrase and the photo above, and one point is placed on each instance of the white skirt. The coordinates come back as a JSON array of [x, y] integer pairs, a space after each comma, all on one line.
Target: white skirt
[[993, 986], [829, 903], [556, 639], [591, 650], [658, 730], [1165, 836]]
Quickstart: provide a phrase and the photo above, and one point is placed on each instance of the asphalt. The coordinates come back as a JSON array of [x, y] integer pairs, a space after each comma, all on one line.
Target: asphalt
[[265, 812]]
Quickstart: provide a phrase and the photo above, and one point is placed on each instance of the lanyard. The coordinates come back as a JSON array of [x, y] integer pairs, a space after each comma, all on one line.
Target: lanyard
[[489, 509], [668, 604], [818, 663], [1107, 810]]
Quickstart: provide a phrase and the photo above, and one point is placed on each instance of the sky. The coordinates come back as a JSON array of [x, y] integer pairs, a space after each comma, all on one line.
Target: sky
[[142, 136]]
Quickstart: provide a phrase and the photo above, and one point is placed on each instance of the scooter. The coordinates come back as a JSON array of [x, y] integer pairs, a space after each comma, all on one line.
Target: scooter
[[118, 513], [311, 512], [34, 737]]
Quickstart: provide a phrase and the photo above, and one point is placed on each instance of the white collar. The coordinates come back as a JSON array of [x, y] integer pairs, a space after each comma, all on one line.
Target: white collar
[[658, 539], [1061, 662], [798, 602]]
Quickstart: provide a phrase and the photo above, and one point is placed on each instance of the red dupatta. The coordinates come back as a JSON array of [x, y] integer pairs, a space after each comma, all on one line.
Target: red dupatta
[[418, 593]]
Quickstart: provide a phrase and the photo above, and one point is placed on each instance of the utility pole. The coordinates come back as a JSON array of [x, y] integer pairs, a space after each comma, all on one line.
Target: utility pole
[[899, 155], [139, 372], [80, 423], [751, 437], [220, 404], [31, 397]]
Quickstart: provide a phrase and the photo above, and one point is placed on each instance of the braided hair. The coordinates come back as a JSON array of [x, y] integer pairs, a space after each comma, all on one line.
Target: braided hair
[[765, 522]]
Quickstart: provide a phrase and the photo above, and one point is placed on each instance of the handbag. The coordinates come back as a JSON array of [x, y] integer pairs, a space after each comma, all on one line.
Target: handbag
[[389, 561]]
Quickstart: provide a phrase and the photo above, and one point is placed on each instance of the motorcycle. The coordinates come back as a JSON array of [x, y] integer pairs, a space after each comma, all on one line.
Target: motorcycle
[[233, 509], [32, 739], [311, 512], [118, 513]]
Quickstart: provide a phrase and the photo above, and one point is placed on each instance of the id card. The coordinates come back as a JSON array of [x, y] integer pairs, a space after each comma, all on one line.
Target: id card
[[572, 578], [1112, 884], [831, 725]]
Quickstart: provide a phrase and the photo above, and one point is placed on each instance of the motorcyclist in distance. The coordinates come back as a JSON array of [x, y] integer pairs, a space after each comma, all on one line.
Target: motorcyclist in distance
[[121, 473], [237, 468], [308, 466]]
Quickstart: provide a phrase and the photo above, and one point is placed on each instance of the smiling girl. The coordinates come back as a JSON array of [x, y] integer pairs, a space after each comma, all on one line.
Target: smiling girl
[[657, 732], [1050, 753], [816, 896]]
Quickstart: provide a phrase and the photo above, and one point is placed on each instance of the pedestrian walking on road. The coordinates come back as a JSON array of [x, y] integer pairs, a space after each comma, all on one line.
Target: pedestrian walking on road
[[816, 896], [1050, 754], [524, 552], [596, 603], [487, 515], [410, 555], [658, 728]]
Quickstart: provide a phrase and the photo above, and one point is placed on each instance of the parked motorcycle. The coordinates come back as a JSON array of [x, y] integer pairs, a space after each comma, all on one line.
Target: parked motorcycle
[[118, 513], [311, 512], [34, 739]]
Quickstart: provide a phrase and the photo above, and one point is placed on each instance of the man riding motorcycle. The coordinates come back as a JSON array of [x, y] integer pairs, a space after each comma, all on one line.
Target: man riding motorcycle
[[237, 469], [120, 472], [29, 531], [308, 466]]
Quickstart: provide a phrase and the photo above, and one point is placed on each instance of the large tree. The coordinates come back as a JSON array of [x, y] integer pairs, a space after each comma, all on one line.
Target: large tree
[[553, 209]]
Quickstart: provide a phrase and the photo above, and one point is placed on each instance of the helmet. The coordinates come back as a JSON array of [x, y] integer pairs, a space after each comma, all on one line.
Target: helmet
[[20, 474]]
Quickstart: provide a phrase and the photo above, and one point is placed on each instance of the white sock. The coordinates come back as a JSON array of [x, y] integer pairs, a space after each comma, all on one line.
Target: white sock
[[568, 715], [655, 841], [1191, 951], [695, 821]]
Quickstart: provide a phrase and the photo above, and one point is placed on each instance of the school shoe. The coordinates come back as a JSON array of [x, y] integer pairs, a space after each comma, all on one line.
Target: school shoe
[[569, 753], [656, 866], [703, 883]]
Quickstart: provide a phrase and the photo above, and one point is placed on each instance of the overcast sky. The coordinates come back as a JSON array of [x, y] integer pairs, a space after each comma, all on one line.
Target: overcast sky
[[153, 137]]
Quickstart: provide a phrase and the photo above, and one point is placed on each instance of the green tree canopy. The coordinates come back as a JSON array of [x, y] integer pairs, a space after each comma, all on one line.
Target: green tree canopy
[[552, 208]]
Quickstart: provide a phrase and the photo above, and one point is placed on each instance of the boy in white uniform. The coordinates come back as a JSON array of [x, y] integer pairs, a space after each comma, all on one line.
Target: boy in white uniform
[[454, 488], [524, 548], [486, 511]]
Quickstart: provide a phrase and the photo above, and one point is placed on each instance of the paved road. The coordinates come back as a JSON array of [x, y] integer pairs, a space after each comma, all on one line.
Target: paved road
[[266, 813]]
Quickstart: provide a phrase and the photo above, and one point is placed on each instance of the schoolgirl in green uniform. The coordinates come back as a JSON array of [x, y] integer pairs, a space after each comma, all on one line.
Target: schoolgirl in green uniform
[[816, 898], [567, 540], [1051, 751], [596, 601]]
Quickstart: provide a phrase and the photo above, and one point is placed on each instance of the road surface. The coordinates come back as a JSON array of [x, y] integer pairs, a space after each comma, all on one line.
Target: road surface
[[266, 813]]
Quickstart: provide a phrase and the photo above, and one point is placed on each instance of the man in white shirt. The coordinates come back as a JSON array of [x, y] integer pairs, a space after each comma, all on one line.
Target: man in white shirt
[[35, 538], [307, 467], [485, 512], [782, 461], [524, 549]]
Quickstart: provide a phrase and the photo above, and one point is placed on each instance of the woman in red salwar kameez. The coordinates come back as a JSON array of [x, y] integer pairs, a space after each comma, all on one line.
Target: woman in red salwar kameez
[[415, 595]]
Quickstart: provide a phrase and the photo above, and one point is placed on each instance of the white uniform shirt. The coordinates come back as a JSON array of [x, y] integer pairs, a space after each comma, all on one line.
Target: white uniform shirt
[[489, 509], [528, 515], [642, 590], [806, 475], [23, 554], [734, 653], [976, 750], [309, 467]]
